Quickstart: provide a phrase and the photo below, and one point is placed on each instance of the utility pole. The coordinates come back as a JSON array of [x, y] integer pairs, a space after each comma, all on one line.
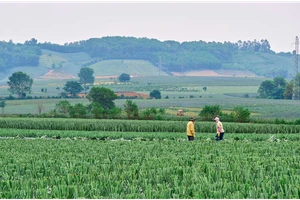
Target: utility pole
[[296, 84]]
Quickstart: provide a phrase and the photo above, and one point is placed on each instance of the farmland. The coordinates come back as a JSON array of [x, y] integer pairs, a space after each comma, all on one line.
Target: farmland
[[177, 92], [118, 169], [114, 158]]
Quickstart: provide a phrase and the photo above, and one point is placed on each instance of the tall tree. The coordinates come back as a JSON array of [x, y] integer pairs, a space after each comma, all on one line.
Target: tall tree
[[155, 94], [131, 109], [102, 95], [124, 77], [272, 89], [20, 83], [86, 76], [266, 89], [288, 93], [73, 87]]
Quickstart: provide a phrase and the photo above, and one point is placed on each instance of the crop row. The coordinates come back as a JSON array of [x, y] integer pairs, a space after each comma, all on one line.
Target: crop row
[[155, 169], [142, 136], [139, 125]]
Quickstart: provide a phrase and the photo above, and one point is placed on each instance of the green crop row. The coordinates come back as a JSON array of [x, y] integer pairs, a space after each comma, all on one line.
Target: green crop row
[[67, 169], [140, 125], [142, 136]]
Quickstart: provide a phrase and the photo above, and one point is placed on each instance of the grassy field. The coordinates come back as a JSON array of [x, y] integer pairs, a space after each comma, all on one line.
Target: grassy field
[[133, 67]]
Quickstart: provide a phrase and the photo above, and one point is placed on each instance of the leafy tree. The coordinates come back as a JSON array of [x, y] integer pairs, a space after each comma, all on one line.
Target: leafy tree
[[113, 112], [63, 107], [2, 105], [31, 42], [78, 111], [131, 109], [266, 89], [86, 76], [280, 84], [155, 94], [19, 83], [272, 89], [73, 87], [288, 93], [124, 77], [102, 95], [97, 110]]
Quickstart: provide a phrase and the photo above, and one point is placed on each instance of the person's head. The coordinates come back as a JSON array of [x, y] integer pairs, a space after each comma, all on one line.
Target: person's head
[[192, 119], [217, 119]]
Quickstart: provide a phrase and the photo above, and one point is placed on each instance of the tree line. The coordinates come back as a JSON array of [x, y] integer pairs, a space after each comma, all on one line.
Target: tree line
[[17, 55], [171, 55]]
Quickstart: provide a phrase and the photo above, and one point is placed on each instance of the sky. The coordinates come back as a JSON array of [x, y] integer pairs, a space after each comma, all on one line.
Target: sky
[[63, 22]]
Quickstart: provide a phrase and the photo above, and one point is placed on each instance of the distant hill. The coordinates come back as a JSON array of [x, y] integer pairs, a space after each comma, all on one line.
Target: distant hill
[[111, 56]]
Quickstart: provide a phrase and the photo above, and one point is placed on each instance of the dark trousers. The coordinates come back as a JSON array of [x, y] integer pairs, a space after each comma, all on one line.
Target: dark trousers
[[190, 138], [221, 136]]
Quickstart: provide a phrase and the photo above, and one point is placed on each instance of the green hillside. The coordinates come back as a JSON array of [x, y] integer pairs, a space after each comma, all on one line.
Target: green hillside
[[132, 67], [263, 64]]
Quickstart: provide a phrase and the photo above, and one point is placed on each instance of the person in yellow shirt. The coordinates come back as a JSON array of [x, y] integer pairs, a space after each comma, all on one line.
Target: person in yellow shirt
[[220, 130], [190, 129]]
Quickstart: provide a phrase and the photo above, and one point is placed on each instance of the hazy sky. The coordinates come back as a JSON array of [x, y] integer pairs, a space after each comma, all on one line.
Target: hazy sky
[[221, 21]]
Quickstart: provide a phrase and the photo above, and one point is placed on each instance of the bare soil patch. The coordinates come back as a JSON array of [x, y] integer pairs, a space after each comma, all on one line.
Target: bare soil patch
[[220, 73], [56, 75]]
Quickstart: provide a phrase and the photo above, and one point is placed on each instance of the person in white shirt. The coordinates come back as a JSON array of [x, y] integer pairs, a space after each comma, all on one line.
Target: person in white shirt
[[220, 130]]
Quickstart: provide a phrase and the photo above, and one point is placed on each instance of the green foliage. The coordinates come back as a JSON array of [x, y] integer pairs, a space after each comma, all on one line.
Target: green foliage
[[131, 109], [149, 113], [97, 110], [113, 113], [288, 93], [241, 114], [100, 113], [124, 77], [102, 95], [86, 76], [20, 83], [73, 87], [63, 107], [78, 111], [16, 55], [209, 112], [272, 89], [155, 94]]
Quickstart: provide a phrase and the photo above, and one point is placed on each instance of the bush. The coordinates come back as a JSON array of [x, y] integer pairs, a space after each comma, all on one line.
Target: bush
[[241, 114], [209, 112]]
